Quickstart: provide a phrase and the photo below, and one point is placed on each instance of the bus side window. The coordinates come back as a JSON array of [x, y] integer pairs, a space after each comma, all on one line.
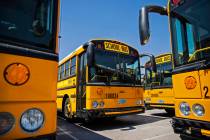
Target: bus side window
[[67, 68], [73, 66], [62, 72]]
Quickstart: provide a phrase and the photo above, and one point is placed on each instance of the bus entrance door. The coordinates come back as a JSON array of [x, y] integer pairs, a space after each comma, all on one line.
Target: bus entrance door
[[81, 93]]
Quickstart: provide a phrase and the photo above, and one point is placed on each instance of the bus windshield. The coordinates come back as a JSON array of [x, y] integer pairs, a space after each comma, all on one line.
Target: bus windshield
[[27, 22], [115, 68], [191, 31], [162, 78]]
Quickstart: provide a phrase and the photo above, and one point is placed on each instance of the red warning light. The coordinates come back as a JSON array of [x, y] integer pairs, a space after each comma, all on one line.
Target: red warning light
[[176, 2]]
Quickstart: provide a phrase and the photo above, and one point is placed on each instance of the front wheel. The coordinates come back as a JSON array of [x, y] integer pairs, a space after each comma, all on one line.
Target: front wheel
[[67, 112]]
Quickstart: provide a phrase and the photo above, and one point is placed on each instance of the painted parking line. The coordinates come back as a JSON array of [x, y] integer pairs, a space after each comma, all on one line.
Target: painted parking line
[[161, 117], [67, 133], [159, 136]]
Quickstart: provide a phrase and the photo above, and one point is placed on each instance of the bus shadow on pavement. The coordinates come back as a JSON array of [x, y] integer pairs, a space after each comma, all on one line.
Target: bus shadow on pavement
[[70, 131], [163, 114], [124, 123]]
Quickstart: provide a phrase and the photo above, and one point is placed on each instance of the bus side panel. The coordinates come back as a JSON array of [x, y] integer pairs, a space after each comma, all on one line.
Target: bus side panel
[[67, 87], [41, 85], [180, 89], [205, 83], [67, 84], [71, 93]]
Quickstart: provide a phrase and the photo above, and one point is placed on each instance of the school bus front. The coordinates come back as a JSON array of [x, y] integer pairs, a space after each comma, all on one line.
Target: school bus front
[[106, 82], [28, 69], [158, 85], [190, 31], [190, 35]]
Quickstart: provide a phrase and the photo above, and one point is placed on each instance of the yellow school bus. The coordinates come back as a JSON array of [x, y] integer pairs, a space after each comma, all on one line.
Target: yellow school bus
[[28, 68], [158, 85], [99, 79], [190, 41]]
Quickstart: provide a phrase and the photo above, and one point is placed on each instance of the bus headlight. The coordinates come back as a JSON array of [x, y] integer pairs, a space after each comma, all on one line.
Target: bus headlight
[[32, 120], [6, 122], [184, 108], [101, 104], [95, 104], [198, 109], [139, 102]]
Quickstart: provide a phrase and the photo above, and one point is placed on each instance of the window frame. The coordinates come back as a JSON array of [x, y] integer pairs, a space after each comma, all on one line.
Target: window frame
[[73, 66], [67, 69]]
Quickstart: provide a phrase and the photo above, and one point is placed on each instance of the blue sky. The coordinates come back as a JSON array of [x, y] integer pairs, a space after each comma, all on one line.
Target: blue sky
[[82, 20]]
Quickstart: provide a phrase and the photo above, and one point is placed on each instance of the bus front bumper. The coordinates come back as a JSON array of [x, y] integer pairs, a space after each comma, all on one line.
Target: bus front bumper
[[191, 128], [159, 105], [98, 113]]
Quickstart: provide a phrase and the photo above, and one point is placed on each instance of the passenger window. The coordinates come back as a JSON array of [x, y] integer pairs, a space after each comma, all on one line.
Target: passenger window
[[190, 39], [73, 66], [62, 72], [67, 68]]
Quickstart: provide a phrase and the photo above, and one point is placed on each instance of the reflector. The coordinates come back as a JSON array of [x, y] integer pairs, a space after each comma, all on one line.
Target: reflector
[[176, 2]]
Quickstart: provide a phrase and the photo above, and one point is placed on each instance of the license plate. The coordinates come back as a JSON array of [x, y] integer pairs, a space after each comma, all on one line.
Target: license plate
[[148, 99], [161, 101], [122, 101]]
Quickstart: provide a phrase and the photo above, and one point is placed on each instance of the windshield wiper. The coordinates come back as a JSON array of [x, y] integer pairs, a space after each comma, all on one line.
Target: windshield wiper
[[115, 71], [105, 67]]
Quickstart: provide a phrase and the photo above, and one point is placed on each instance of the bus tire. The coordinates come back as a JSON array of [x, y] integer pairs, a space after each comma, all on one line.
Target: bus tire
[[170, 111], [88, 120], [67, 113], [111, 118], [185, 137]]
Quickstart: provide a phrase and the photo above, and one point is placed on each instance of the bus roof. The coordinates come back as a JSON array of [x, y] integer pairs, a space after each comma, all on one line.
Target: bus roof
[[81, 48], [105, 39], [72, 54]]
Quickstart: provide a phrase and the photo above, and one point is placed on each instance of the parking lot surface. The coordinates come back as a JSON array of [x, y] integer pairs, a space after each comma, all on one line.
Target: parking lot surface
[[152, 125]]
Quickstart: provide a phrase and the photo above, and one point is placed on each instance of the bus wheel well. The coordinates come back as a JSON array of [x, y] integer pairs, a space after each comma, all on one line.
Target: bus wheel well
[[63, 102]]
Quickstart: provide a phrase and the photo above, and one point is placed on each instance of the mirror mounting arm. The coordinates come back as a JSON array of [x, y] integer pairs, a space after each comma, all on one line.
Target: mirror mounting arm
[[152, 60]]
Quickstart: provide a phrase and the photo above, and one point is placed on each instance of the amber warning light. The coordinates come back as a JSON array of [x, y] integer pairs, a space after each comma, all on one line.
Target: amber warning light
[[16, 74], [190, 82], [176, 2]]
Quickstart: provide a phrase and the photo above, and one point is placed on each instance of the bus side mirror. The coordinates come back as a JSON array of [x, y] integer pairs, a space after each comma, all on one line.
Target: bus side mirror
[[152, 60], [144, 30], [90, 55]]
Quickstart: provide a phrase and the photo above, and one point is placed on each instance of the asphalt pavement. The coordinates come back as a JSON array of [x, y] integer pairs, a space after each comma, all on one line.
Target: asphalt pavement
[[152, 125]]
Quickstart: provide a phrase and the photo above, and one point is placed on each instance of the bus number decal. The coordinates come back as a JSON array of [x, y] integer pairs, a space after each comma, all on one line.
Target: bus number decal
[[206, 90]]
